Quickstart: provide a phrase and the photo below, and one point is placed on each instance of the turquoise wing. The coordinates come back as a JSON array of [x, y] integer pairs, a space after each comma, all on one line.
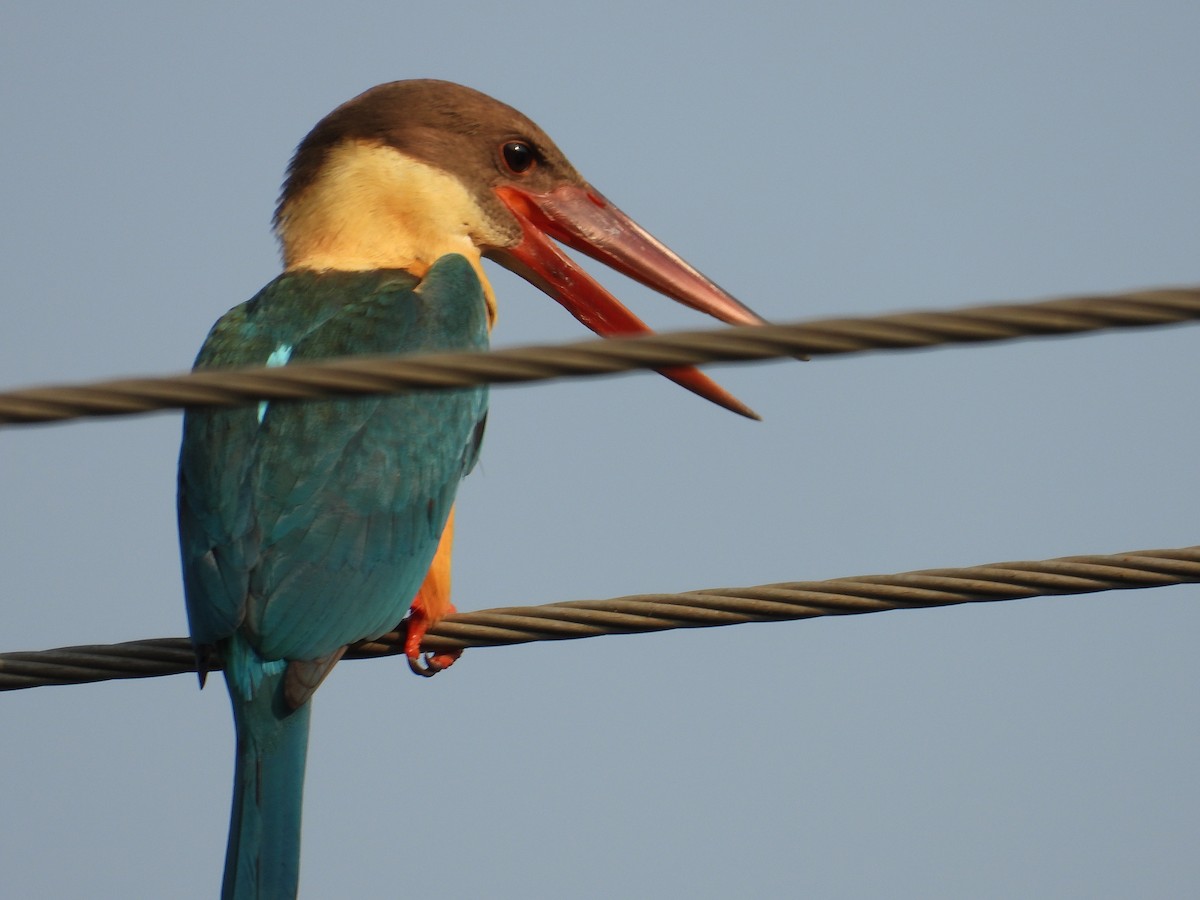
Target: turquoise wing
[[311, 525]]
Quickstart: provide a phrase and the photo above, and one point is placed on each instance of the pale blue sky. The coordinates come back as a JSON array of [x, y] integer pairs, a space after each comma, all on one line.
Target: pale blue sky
[[815, 159]]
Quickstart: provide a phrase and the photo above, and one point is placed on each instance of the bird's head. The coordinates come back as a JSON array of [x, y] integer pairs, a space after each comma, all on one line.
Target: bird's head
[[411, 170]]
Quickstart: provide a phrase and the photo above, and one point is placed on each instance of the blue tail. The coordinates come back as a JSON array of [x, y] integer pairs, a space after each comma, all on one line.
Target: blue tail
[[262, 860]]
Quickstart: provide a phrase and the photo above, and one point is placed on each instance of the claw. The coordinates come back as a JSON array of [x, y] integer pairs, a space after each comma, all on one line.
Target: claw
[[428, 664], [423, 666]]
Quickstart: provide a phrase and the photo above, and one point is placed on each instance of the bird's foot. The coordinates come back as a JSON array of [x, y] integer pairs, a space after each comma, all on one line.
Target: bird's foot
[[430, 664], [417, 623]]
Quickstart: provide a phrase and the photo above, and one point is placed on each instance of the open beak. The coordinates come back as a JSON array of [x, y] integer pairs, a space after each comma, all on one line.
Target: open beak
[[581, 218]]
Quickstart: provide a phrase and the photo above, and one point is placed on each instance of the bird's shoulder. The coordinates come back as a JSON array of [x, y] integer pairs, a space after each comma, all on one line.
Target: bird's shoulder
[[335, 313]]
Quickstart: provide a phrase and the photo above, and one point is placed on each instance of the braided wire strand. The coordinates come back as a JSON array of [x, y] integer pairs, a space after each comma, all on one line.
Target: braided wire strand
[[391, 374], [660, 612]]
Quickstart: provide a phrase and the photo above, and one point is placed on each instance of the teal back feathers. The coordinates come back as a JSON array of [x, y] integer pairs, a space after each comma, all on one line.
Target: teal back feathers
[[307, 526], [313, 528]]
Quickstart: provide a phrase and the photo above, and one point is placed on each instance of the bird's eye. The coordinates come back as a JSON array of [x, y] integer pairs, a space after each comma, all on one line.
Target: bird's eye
[[518, 157]]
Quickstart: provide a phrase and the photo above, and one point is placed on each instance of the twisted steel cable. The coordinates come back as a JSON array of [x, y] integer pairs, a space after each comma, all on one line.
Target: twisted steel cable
[[661, 612], [822, 337]]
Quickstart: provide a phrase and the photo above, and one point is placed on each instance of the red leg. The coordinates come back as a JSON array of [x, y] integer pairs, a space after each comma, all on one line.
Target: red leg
[[431, 604]]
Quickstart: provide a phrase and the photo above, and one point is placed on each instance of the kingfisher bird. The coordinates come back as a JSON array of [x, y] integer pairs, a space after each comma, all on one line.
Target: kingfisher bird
[[307, 526]]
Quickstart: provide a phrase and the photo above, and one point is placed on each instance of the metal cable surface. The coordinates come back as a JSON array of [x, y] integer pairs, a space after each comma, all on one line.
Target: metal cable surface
[[660, 612], [823, 337]]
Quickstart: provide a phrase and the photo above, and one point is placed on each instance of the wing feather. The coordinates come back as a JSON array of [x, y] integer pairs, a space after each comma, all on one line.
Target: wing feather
[[313, 527]]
